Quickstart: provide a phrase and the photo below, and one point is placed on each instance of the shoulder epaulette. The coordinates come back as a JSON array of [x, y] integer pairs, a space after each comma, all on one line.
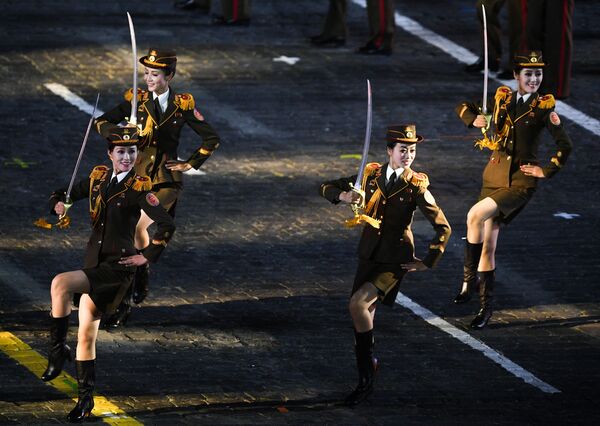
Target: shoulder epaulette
[[98, 172], [419, 179], [371, 168], [142, 95], [546, 102], [503, 93], [142, 183], [185, 101]]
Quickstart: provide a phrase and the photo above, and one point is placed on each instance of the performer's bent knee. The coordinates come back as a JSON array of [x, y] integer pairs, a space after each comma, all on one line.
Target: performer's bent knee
[[59, 286], [475, 218]]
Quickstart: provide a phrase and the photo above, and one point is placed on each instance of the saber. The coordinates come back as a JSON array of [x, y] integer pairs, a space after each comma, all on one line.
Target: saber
[[365, 153], [485, 63], [358, 208], [133, 115], [68, 202]]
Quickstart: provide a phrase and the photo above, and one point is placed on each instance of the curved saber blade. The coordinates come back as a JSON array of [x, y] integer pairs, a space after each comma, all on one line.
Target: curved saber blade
[[133, 115], [365, 152], [85, 138], [485, 62]]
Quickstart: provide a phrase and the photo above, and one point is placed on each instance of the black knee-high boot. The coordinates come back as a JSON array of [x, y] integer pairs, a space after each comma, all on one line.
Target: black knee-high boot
[[472, 256], [486, 295], [86, 380], [367, 367], [141, 282], [59, 350]]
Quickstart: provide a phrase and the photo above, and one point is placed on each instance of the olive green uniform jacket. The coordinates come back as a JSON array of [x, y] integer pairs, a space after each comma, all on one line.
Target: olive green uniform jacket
[[160, 137]]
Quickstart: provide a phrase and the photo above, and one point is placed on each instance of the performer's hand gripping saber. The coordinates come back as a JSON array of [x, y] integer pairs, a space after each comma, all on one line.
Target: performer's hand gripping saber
[[358, 207]]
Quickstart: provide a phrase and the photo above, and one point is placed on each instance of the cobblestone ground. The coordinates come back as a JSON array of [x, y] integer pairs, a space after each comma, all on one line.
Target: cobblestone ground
[[246, 322]]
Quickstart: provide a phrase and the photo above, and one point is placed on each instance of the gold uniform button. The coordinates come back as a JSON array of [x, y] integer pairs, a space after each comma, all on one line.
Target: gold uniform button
[[152, 157], [383, 202], [379, 233]]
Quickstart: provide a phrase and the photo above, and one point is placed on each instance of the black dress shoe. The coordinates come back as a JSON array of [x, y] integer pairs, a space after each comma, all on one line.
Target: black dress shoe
[[221, 20], [372, 49], [478, 66], [327, 41], [482, 318], [191, 5]]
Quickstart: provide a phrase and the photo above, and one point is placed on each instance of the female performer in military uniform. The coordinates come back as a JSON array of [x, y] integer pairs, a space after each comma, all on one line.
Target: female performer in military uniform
[[110, 260], [161, 115], [386, 250], [512, 173]]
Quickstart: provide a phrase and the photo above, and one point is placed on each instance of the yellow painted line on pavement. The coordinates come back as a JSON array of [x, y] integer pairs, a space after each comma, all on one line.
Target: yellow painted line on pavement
[[24, 354], [354, 156]]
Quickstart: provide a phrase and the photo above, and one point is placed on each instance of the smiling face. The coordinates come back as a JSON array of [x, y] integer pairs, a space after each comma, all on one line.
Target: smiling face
[[529, 80], [402, 155], [156, 80], [123, 158]]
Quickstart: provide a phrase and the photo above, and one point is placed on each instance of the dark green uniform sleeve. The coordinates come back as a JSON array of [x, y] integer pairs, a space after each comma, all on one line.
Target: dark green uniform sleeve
[[164, 227], [79, 191], [332, 189], [563, 143], [210, 138], [107, 121], [436, 217]]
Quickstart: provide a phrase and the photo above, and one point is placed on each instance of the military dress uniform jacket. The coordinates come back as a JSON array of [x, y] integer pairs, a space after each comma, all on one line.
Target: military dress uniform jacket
[[518, 137], [393, 242], [114, 218], [160, 137]]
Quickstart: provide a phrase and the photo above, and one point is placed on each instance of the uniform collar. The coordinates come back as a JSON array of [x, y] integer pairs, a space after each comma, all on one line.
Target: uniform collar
[[120, 176], [389, 172], [163, 99], [525, 97]]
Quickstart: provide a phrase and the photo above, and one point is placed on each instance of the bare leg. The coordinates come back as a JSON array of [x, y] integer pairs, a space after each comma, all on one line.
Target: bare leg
[[89, 321], [487, 262], [362, 307], [142, 239], [62, 289], [479, 213]]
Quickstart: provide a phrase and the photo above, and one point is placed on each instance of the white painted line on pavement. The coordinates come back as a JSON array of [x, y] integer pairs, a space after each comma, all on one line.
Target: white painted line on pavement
[[470, 341], [290, 60], [465, 56], [73, 99]]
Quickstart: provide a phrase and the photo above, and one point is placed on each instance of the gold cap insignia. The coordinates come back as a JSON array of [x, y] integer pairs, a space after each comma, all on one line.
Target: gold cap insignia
[[152, 58]]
